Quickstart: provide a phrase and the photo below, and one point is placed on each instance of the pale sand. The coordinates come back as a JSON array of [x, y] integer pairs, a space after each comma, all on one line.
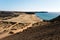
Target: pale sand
[[16, 31]]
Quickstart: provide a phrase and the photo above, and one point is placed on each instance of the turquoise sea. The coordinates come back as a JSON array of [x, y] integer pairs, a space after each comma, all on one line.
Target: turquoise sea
[[48, 16]]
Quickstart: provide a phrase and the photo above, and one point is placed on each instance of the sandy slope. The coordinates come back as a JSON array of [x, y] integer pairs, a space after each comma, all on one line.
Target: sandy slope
[[5, 34], [50, 32], [22, 18], [43, 30], [25, 18]]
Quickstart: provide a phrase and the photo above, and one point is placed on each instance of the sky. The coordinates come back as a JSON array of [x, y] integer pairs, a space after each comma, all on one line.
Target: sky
[[30, 5]]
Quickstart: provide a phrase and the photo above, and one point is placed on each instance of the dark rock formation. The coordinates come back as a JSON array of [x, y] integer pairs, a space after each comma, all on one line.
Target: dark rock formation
[[55, 19]]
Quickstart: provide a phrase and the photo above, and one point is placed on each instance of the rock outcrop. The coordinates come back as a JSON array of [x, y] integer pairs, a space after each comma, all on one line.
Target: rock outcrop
[[55, 19]]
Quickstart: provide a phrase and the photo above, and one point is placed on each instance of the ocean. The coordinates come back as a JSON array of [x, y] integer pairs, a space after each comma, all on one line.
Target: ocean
[[48, 16]]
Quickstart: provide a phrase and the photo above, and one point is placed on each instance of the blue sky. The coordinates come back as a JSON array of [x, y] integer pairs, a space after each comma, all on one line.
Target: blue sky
[[30, 5]]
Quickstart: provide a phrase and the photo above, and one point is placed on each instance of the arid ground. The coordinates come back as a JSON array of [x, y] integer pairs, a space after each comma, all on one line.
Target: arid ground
[[28, 27]]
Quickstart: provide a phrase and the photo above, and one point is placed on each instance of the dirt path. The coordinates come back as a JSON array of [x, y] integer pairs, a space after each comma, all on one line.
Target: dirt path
[[19, 30], [4, 35]]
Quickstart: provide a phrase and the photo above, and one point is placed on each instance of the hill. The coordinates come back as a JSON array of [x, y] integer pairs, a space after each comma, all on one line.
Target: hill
[[38, 30], [49, 31]]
